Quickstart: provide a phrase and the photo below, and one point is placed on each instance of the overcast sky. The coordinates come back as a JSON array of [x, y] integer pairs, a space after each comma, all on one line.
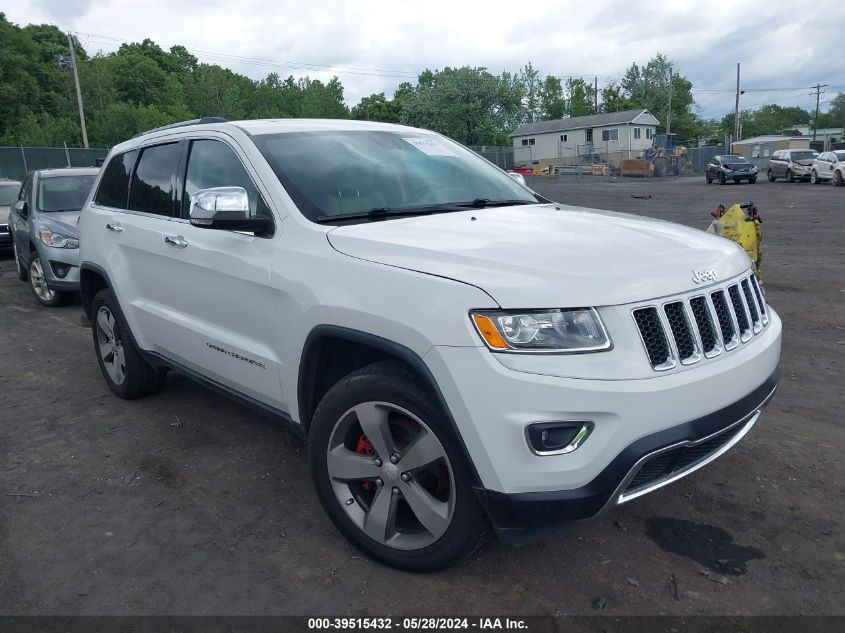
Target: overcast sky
[[373, 46]]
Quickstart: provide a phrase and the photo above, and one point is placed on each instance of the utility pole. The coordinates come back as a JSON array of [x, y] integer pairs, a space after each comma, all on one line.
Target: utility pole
[[596, 95], [669, 109], [819, 92], [78, 91], [736, 110]]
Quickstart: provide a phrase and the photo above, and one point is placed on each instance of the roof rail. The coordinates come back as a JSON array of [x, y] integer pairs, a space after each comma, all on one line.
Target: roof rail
[[206, 119]]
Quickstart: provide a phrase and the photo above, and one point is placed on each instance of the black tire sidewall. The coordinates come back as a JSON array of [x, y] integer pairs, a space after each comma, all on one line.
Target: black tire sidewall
[[140, 379], [361, 386]]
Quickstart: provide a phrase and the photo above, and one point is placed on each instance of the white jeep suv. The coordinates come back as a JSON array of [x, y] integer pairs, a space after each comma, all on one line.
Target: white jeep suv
[[459, 352]]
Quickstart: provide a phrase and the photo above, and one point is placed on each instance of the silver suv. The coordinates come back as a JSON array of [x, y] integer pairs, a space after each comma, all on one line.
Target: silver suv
[[791, 164]]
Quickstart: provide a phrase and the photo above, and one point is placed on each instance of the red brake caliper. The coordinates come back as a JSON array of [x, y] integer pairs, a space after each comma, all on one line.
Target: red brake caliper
[[365, 447]]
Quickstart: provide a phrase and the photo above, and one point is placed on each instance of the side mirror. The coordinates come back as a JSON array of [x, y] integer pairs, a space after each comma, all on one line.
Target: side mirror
[[517, 177], [226, 209], [22, 208]]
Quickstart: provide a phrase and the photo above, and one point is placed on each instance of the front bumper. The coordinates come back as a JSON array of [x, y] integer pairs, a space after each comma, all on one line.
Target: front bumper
[[51, 259], [523, 517]]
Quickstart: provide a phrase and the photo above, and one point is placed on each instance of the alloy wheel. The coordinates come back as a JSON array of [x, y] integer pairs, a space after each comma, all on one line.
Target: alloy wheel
[[391, 475], [110, 346], [39, 284]]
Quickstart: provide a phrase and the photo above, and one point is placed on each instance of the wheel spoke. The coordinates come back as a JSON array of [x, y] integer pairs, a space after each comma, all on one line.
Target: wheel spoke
[[382, 515], [345, 465], [105, 324], [433, 514], [425, 450], [374, 423]]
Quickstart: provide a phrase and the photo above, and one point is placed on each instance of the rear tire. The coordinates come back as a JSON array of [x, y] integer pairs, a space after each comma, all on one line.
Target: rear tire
[[19, 268], [430, 517], [838, 181], [126, 372]]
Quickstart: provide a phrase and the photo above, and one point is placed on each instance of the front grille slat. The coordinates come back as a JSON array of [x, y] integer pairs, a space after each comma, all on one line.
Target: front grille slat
[[739, 313], [654, 338], [681, 332], [752, 306], [685, 330], [704, 323], [726, 323]]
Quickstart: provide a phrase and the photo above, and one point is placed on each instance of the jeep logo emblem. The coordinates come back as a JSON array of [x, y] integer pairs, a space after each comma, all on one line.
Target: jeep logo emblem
[[701, 276]]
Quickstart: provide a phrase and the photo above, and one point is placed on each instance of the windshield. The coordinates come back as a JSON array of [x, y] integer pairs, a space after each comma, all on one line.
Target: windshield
[[733, 158], [805, 155], [343, 172], [840, 155], [64, 193], [9, 193]]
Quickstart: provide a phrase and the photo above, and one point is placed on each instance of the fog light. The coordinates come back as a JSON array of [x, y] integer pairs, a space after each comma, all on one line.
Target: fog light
[[557, 438], [60, 269]]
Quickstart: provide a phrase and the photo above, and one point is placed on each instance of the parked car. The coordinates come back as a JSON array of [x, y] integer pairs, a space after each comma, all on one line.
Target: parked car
[[8, 194], [791, 164], [730, 167], [438, 332], [44, 234], [829, 166]]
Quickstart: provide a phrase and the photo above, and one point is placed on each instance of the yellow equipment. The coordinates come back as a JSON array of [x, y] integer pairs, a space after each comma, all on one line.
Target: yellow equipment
[[664, 157], [742, 224]]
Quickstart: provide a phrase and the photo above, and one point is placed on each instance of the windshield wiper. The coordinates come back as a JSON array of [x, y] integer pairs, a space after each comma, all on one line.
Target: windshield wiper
[[481, 203], [375, 214]]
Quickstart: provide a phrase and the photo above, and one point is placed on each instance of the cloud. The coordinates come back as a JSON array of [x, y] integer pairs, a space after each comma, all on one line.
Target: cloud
[[373, 47]]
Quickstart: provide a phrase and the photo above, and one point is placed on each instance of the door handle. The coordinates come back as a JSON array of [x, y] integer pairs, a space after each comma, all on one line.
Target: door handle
[[114, 227], [176, 240]]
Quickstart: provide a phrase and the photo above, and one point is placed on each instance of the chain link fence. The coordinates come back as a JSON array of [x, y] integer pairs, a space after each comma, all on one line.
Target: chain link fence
[[501, 156], [15, 162]]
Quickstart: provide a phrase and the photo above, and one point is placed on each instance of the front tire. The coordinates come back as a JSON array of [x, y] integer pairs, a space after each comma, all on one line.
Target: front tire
[[751, 181], [127, 374], [38, 284], [770, 176], [390, 474], [814, 178], [722, 179], [790, 177]]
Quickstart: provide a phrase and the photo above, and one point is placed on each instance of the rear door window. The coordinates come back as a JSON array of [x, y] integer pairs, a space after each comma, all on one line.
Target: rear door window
[[114, 185], [152, 183]]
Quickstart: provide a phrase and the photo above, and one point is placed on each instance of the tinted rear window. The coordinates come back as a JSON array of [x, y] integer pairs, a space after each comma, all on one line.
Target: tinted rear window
[[152, 183], [114, 186]]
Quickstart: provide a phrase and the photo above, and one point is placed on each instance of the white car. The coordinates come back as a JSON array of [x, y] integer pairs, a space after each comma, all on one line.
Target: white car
[[829, 166], [458, 352]]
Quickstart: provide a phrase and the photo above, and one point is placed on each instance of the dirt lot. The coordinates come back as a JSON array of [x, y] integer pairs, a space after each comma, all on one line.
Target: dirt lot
[[187, 503]]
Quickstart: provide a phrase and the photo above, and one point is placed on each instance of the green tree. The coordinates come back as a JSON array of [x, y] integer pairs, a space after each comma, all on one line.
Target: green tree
[[552, 100], [580, 97], [533, 87]]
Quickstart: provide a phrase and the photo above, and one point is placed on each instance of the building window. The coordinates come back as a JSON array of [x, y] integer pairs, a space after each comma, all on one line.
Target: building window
[[649, 132], [610, 135], [638, 132], [527, 141], [589, 136], [564, 138]]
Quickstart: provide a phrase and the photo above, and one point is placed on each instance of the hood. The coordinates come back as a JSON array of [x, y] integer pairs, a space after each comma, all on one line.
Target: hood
[[805, 162], [64, 222], [540, 256]]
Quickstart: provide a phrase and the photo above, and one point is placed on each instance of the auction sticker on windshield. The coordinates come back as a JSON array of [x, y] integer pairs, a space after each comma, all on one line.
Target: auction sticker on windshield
[[430, 146]]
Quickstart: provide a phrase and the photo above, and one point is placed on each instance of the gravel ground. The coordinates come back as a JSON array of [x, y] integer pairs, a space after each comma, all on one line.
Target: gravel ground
[[188, 503]]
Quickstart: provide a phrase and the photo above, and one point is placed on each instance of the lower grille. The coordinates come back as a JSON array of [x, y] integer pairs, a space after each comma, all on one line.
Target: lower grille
[[678, 460]]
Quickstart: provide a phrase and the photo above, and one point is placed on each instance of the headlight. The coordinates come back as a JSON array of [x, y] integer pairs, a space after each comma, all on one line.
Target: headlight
[[564, 330], [57, 240], [726, 168]]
